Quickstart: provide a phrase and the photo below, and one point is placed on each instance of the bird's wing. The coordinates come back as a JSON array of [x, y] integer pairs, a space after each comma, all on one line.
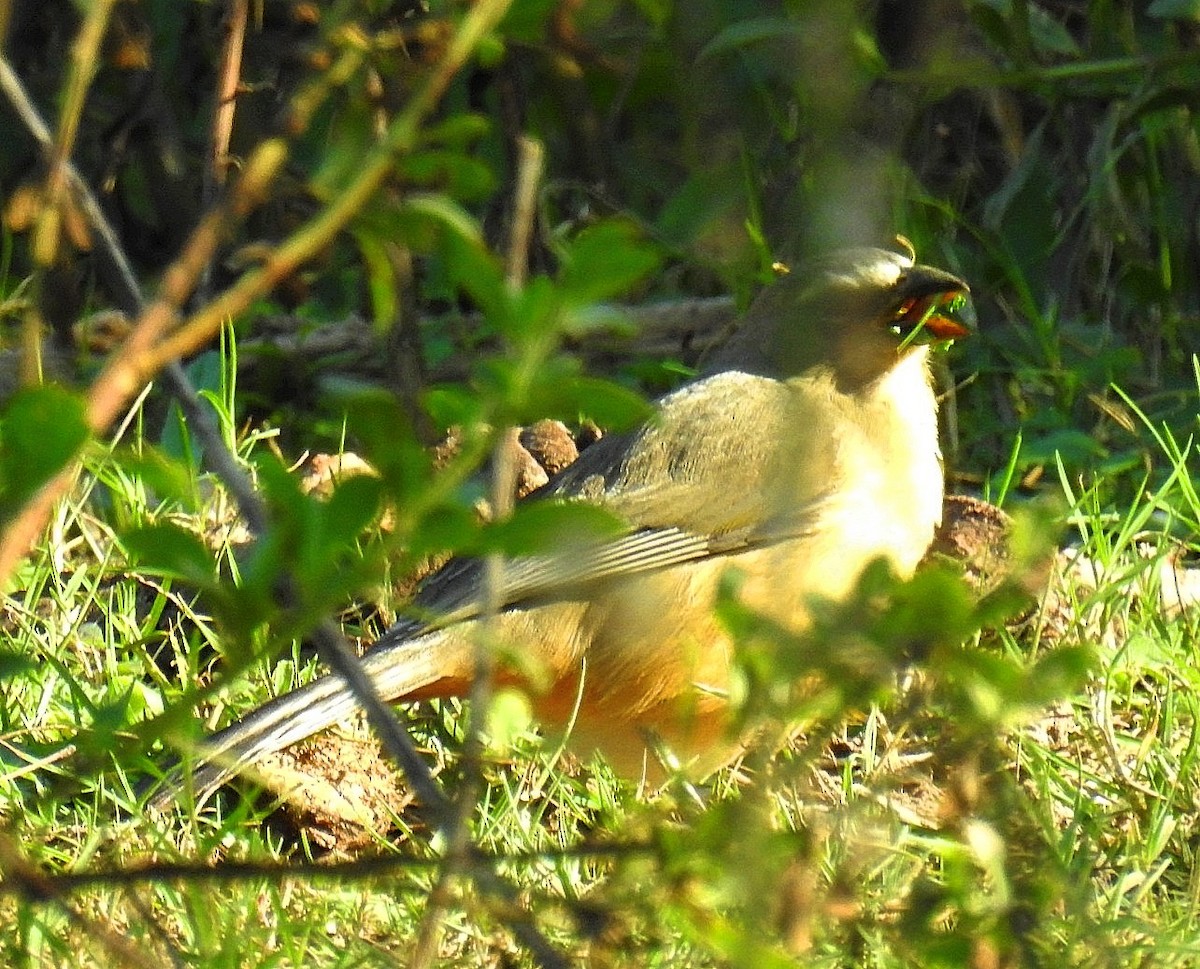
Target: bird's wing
[[685, 499], [454, 594], [732, 454]]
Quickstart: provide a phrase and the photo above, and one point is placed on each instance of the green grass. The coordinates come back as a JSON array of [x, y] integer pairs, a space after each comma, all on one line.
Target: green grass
[[963, 791], [987, 802]]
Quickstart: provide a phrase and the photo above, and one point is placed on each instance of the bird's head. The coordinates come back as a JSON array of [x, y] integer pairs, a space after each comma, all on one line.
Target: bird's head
[[856, 312]]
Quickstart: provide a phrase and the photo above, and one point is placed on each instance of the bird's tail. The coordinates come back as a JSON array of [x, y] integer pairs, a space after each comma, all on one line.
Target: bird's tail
[[428, 666]]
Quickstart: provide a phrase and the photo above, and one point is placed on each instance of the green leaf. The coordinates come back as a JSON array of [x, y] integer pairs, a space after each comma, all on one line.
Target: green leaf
[[1050, 36], [349, 510], [747, 32], [604, 261], [701, 207], [452, 405], [443, 213], [281, 490], [1047, 35], [1074, 446], [341, 156], [1175, 9], [1059, 673], [579, 321], [242, 608], [14, 664], [459, 129], [539, 527], [934, 605], [993, 686], [509, 717], [381, 279], [658, 12], [385, 435], [558, 390], [533, 312], [131, 699], [452, 528], [457, 174], [472, 268], [992, 25], [608, 404], [169, 550], [526, 21], [436, 225], [42, 430], [164, 477]]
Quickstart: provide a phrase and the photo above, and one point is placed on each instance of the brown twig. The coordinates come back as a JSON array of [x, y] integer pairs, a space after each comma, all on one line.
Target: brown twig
[[157, 338], [529, 173], [48, 227], [216, 164], [127, 371], [228, 78], [84, 56], [22, 878], [43, 885], [673, 328]]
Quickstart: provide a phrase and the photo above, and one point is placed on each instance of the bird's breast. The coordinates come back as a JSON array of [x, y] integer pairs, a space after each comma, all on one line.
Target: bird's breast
[[882, 490]]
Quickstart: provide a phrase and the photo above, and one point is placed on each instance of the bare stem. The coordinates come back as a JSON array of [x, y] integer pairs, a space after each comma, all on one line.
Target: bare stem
[[529, 173]]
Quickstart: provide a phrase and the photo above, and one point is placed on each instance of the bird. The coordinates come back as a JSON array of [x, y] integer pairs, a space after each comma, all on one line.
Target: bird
[[805, 449]]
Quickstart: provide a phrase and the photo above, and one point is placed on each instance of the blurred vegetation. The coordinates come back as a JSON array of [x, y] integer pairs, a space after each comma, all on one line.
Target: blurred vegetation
[[1047, 152]]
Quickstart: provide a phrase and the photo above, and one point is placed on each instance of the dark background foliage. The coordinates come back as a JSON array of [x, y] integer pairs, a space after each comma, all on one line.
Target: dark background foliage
[[1045, 151]]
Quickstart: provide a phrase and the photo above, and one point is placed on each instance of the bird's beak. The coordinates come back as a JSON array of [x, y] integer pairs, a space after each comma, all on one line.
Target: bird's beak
[[928, 297]]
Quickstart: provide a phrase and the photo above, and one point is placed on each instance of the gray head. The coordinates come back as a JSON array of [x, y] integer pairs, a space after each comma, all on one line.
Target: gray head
[[855, 312]]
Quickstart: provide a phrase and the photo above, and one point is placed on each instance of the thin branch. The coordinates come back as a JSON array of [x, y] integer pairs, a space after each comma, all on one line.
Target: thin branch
[[530, 164], [529, 173], [228, 78], [108, 393], [216, 163], [128, 296], [336, 653], [85, 53], [684, 327], [38, 884], [26, 880]]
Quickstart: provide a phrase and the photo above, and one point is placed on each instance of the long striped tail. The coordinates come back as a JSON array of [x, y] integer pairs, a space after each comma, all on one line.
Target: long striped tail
[[408, 669]]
